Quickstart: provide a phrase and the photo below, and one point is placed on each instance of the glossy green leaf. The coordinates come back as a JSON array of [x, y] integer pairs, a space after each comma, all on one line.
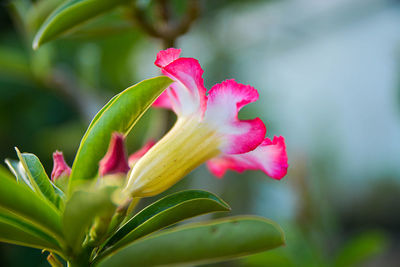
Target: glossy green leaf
[[25, 203], [119, 115], [15, 230], [166, 211], [39, 179], [69, 15], [38, 13], [81, 210], [200, 243]]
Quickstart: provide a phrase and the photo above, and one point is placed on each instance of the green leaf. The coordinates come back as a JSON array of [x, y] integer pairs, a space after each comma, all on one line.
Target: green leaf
[[362, 248], [15, 230], [81, 210], [119, 115], [39, 179], [69, 15], [166, 211], [200, 243], [22, 201], [5, 173], [14, 63], [38, 13]]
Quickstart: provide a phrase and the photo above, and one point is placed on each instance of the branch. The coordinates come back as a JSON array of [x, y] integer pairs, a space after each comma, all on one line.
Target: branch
[[166, 29]]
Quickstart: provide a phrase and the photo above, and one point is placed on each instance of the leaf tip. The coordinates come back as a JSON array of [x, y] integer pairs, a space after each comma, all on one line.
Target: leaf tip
[[17, 150], [225, 206], [36, 42]]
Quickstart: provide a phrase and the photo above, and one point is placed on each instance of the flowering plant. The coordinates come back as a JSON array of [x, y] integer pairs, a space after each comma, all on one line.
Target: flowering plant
[[85, 214]]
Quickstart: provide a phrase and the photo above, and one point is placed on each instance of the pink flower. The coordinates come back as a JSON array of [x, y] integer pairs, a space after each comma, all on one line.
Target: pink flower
[[115, 160], [207, 128], [60, 167]]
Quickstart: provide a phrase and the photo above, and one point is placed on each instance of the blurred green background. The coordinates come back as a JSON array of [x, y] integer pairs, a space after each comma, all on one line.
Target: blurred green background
[[328, 73]]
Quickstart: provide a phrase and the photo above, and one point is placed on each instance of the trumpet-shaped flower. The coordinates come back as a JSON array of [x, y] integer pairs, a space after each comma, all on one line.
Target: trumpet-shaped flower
[[207, 127], [60, 167]]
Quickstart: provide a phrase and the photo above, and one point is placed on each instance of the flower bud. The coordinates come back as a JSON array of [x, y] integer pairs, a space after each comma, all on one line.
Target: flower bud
[[115, 160], [60, 167]]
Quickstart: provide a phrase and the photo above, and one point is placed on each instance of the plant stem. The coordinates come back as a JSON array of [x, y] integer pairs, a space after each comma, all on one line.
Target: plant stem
[[78, 263], [82, 259], [167, 30]]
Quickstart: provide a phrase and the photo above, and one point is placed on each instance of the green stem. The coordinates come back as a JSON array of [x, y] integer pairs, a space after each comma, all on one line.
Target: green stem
[[82, 259], [78, 263]]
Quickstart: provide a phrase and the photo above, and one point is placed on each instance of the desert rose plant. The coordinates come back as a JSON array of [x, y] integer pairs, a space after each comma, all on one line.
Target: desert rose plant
[[85, 214]]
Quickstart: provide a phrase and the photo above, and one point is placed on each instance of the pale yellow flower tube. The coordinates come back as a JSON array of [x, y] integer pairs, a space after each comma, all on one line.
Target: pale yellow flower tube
[[187, 145]]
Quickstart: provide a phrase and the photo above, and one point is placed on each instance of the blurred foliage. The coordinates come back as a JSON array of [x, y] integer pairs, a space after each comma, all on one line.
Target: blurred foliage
[[47, 98], [355, 252]]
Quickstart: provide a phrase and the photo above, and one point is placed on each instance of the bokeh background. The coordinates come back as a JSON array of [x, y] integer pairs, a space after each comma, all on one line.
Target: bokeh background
[[328, 74]]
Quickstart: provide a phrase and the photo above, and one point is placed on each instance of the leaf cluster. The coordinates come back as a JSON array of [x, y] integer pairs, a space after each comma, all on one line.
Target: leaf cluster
[[86, 221]]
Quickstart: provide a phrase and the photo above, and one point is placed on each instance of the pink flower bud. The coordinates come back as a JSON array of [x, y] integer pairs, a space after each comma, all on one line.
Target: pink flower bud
[[115, 160], [60, 167]]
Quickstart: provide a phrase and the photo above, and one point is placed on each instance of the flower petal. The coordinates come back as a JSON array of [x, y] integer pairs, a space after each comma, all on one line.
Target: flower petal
[[269, 156], [224, 102], [164, 57], [218, 166], [163, 101], [133, 158], [187, 94]]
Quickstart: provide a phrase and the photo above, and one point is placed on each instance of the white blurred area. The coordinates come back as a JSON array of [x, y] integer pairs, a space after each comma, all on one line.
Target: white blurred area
[[328, 73], [328, 76]]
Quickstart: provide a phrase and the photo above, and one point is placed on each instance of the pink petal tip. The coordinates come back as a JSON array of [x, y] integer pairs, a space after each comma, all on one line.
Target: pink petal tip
[[60, 167], [164, 57], [187, 95], [269, 156]]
